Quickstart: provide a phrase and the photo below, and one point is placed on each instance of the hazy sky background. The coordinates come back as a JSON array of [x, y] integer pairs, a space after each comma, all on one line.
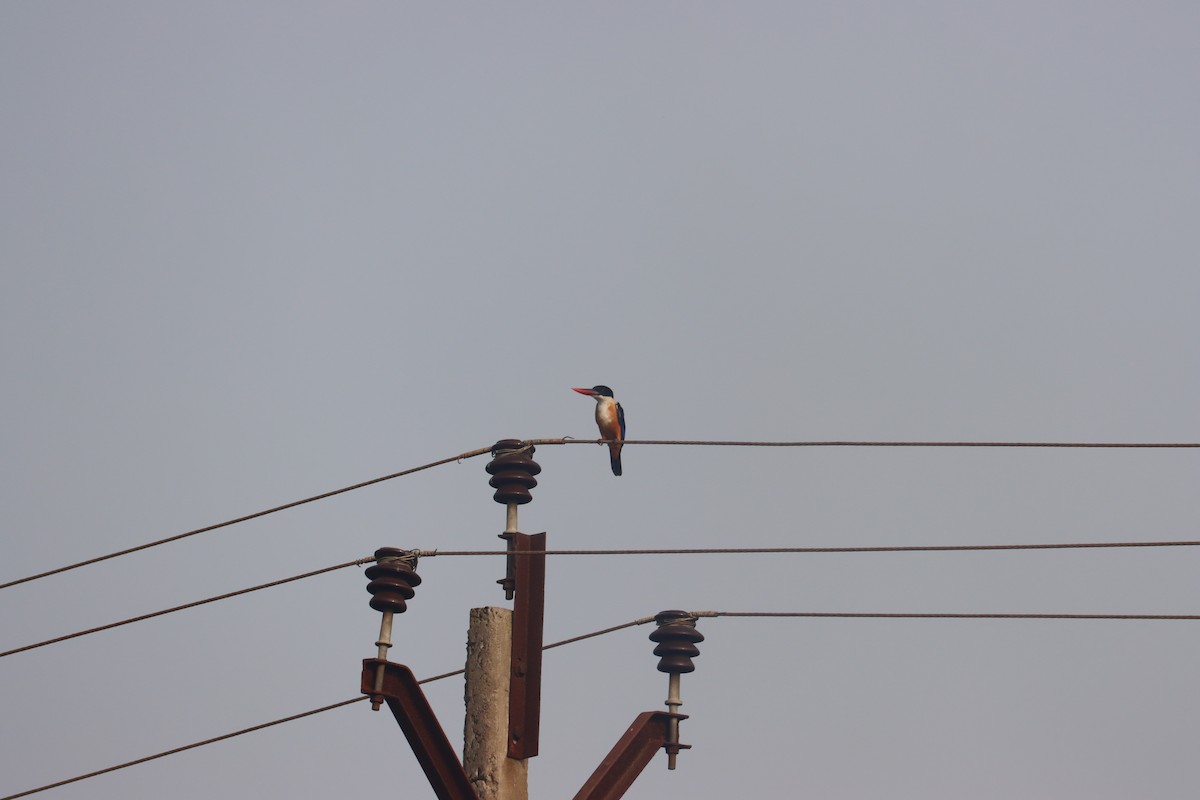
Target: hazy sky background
[[255, 251]]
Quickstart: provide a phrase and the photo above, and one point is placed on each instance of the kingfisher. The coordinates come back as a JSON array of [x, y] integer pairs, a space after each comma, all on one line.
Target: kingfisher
[[610, 418]]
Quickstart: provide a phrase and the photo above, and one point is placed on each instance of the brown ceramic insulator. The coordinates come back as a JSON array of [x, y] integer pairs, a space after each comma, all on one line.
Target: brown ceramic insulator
[[392, 579], [676, 635], [512, 475]]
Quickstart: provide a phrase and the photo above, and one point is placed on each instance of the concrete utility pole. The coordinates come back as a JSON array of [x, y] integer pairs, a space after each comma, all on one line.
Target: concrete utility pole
[[492, 773]]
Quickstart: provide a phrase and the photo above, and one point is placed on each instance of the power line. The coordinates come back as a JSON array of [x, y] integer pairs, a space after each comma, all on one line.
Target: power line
[[572, 640], [884, 615], [777, 550], [627, 552], [844, 443], [568, 440], [191, 746], [255, 515], [193, 604], [631, 623], [622, 626], [280, 582], [301, 715]]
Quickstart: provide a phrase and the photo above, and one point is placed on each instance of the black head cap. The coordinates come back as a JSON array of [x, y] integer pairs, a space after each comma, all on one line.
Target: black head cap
[[602, 390]]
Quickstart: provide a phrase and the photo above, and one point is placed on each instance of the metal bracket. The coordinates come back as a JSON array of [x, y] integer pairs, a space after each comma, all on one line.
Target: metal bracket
[[425, 736], [621, 767], [525, 676]]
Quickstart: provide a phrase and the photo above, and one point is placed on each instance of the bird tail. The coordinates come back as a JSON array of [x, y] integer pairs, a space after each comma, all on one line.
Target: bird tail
[[614, 458]]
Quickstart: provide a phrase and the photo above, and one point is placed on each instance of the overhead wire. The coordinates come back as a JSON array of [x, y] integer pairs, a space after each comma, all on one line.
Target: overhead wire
[[185, 747], [293, 717], [572, 640], [671, 551], [939, 615], [563, 440], [778, 550], [631, 623], [153, 614], [621, 552], [460, 457], [847, 443]]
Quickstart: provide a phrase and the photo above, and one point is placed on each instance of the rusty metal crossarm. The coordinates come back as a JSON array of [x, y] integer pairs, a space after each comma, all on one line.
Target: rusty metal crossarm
[[621, 767], [412, 711]]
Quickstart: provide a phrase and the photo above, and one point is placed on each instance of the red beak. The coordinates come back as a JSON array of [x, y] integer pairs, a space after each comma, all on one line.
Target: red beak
[[588, 392]]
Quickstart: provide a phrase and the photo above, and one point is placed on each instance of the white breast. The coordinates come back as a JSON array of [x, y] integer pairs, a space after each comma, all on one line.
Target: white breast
[[606, 412]]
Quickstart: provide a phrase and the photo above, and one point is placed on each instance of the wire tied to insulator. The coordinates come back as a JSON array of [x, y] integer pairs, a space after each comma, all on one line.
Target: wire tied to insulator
[[392, 578], [676, 636]]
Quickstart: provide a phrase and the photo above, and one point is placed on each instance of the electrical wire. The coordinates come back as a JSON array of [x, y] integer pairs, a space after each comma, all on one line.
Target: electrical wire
[[191, 746], [631, 552], [932, 548], [726, 443], [255, 515], [631, 623], [572, 640], [639, 621], [860, 615], [622, 626], [151, 615], [527, 443], [301, 715]]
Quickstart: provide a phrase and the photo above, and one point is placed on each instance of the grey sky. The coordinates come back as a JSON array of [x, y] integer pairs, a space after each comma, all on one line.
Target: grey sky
[[252, 252]]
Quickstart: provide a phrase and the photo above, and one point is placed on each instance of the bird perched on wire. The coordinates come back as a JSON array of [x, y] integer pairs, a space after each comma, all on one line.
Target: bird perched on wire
[[610, 418]]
